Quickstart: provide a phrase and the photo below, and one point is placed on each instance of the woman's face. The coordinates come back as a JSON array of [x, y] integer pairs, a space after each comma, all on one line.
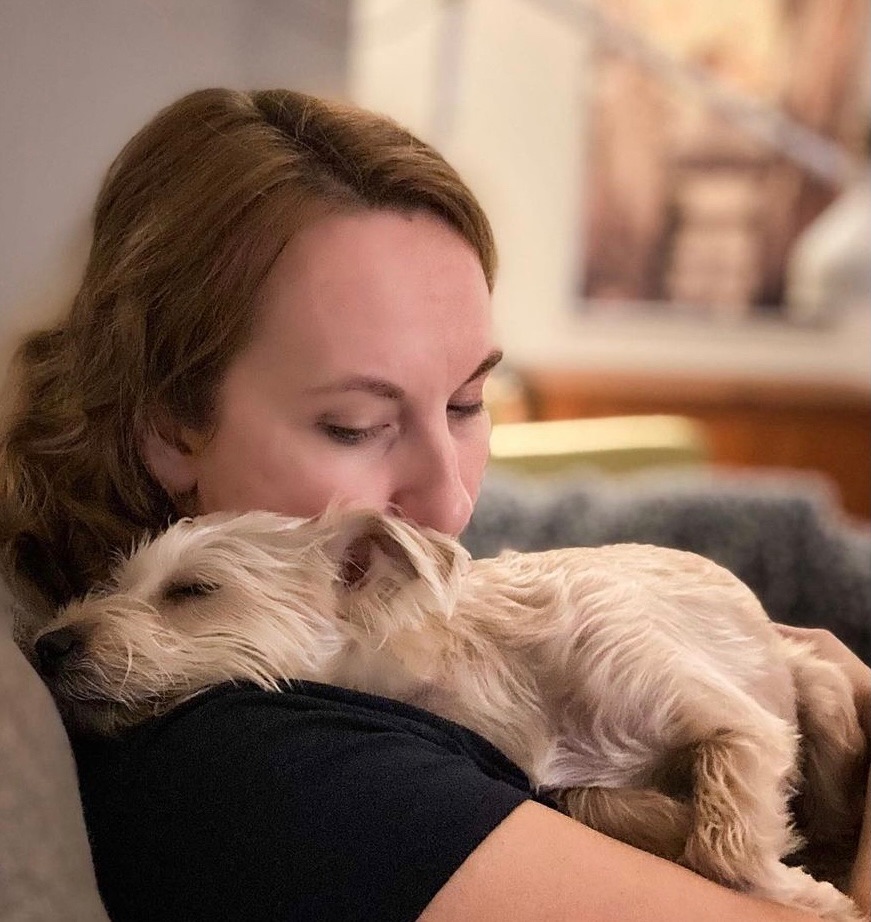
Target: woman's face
[[363, 380]]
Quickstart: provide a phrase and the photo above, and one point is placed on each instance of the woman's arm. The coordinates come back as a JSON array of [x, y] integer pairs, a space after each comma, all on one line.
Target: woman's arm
[[540, 865]]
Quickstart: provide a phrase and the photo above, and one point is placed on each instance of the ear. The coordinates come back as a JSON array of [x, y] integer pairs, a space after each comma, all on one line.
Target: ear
[[367, 551], [171, 453], [378, 556]]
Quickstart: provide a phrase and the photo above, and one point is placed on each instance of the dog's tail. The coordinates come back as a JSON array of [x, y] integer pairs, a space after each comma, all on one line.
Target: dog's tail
[[643, 817]]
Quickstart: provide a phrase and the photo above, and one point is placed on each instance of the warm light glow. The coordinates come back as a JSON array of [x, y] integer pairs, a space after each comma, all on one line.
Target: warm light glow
[[591, 436]]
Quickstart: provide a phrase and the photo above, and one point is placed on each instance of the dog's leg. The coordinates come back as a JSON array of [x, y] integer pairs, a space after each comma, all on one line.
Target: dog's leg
[[742, 778], [643, 817], [660, 824], [795, 887]]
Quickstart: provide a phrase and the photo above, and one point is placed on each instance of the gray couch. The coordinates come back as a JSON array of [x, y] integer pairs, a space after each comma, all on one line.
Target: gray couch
[[781, 534], [45, 863]]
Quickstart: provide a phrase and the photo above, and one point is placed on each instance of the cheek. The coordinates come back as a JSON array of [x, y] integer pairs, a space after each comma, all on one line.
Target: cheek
[[324, 478], [293, 475]]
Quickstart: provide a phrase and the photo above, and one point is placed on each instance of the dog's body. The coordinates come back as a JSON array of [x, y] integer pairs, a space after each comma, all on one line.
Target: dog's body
[[646, 688]]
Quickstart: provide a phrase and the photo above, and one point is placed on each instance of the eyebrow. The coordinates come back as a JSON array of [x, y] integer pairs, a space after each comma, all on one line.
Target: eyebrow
[[384, 389], [489, 363]]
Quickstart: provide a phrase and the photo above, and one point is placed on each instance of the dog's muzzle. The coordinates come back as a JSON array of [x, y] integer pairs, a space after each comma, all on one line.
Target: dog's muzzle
[[56, 649]]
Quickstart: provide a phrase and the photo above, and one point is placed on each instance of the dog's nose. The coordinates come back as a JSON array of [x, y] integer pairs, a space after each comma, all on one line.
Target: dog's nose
[[56, 646]]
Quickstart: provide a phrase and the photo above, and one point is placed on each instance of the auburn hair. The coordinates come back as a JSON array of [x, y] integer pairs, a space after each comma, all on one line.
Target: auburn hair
[[189, 220]]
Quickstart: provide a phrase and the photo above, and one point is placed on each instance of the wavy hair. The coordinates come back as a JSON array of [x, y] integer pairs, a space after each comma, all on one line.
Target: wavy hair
[[189, 220]]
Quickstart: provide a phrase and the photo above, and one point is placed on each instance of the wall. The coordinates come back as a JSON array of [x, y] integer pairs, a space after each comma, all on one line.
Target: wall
[[79, 77]]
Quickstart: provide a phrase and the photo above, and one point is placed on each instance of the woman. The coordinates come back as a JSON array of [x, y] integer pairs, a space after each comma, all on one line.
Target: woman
[[286, 302]]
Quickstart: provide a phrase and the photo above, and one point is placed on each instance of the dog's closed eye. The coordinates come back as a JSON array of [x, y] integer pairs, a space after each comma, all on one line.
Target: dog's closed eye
[[183, 590]]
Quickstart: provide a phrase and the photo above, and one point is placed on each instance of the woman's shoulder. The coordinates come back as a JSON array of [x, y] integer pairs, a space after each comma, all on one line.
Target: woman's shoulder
[[392, 797], [300, 716]]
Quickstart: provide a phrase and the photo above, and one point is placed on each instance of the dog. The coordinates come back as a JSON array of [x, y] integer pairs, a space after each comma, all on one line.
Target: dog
[[644, 688]]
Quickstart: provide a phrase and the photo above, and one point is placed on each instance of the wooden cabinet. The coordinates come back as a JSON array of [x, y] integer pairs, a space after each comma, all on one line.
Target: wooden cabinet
[[749, 423]]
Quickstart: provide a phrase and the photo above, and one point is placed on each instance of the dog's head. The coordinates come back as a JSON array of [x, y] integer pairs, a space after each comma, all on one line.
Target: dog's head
[[254, 597]]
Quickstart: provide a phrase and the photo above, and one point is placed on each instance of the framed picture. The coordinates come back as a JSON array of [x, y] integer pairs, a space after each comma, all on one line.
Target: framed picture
[[717, 133]]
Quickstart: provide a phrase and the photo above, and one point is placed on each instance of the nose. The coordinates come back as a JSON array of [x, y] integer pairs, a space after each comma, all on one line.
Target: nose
[[430, 490], [55, 647]]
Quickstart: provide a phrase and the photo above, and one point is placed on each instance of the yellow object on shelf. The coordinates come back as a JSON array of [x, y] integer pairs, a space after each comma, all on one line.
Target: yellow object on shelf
[[613, 443]]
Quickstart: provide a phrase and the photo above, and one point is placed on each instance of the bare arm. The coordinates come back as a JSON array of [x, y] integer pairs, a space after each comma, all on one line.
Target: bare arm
[[539, 865]]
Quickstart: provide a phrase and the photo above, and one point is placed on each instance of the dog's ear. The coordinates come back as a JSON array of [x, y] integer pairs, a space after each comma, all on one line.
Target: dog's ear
[[368, 550], [377, 556]]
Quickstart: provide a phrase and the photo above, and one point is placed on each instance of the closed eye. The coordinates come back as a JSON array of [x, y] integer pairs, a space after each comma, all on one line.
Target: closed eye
[[465, 410], [183, 590]]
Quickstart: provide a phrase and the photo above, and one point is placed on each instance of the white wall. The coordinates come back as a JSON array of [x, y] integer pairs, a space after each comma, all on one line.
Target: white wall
[[79, 77], [517, 135]]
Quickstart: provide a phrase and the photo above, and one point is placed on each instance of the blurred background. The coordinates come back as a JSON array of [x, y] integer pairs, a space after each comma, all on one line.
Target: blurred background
[[679, 188]]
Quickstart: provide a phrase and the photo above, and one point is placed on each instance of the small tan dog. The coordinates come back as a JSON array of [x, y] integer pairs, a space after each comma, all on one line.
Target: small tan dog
[[644, 687]]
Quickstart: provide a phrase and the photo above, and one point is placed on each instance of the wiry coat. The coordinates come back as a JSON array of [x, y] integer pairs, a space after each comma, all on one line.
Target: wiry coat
[[645, 687]]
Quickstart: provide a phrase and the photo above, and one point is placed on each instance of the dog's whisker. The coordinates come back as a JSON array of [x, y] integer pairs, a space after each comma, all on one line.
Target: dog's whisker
[[129, 668]]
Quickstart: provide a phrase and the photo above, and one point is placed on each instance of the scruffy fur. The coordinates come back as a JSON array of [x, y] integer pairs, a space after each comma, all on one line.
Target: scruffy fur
[[644, 687]]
